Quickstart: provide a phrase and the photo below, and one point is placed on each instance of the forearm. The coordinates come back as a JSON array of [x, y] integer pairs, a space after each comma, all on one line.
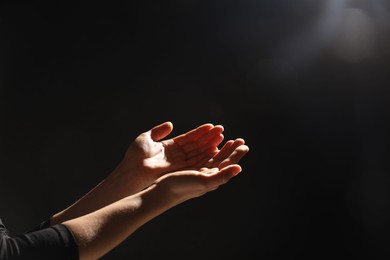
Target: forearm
[[99, 232], [115, 187]]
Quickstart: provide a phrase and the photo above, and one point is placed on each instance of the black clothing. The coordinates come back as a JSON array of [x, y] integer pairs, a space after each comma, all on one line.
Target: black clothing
[[44, 242]]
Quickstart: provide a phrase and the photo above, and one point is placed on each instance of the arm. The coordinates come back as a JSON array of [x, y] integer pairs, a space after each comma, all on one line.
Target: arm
[[99, 232], [148, 158], [47, 243]]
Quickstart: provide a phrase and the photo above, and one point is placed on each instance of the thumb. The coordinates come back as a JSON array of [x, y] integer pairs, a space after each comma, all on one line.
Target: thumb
[[161, 131], [224, 175]]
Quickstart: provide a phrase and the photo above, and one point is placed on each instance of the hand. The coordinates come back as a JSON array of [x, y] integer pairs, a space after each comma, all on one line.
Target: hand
[[184, 185], [149, 157], [102, 230], [231, 153]]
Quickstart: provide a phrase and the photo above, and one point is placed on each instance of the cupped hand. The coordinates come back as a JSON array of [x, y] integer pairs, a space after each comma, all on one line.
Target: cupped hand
[[149, 156], [231, 153], [184, 185]]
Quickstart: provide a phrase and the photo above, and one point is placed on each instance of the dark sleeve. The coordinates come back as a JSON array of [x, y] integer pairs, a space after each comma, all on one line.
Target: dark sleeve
[[42, 225], [54, 242]]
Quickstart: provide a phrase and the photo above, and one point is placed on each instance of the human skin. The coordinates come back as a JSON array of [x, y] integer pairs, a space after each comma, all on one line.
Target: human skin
[[149, 157], [100, 231]]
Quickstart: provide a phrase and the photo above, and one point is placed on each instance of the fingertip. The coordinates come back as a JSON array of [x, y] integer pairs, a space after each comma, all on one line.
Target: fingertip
[[235, 169], [220, 127], [162, 130], [166, 123], [240, 140], [170, 124], [207, 125], [244, 148], [230, 142]]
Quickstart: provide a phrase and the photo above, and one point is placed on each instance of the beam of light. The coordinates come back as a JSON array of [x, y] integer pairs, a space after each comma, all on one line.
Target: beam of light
[[364, 30], [381, 13], [356, 37], [350, 30], [303, 48]]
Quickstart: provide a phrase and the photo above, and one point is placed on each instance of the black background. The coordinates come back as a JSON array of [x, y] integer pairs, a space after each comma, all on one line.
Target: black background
[[80, 80]]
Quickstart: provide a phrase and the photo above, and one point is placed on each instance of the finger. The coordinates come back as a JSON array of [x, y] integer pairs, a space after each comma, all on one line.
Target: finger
[[194, 134], [223, 153], [231, 170], [212, 157], [217, 178], [194, 149], [201, 159], [161, 131], [227, 150], [209, 171], [235, 156], [211, 138], [210, 135]]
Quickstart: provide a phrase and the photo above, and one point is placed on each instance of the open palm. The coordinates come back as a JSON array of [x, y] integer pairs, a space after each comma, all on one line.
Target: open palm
[[149, 157]]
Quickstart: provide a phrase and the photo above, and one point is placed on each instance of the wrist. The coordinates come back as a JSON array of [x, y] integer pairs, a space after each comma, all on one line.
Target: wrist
[[125, 180], [157, 199]]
